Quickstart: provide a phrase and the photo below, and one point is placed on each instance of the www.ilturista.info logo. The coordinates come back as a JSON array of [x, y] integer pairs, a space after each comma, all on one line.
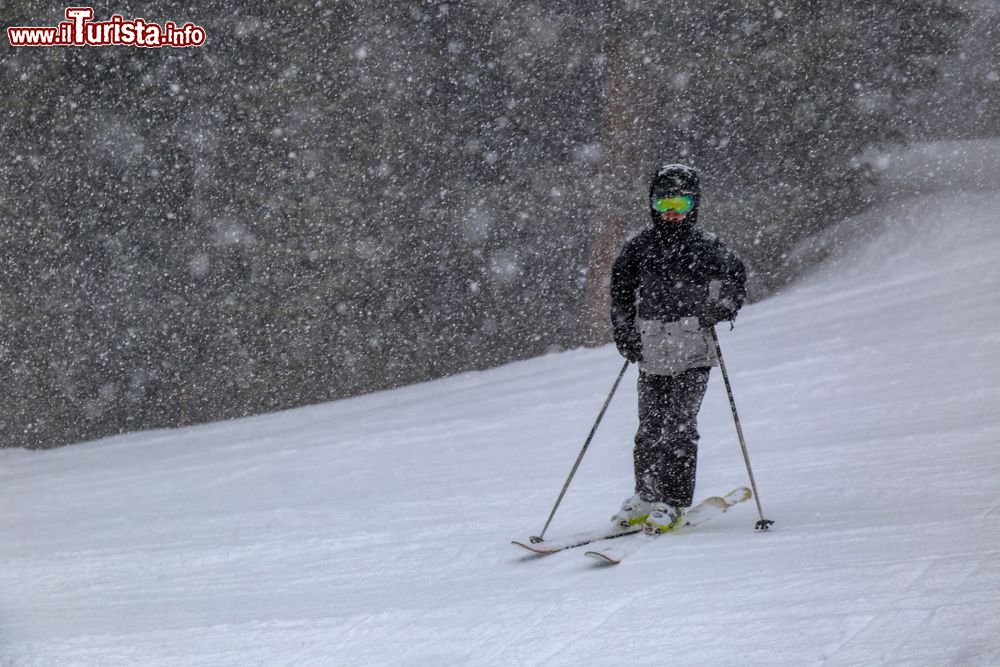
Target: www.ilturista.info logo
[[79, 30]]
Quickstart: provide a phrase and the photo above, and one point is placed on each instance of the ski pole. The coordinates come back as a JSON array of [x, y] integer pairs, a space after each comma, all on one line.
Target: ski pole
[[535, 539], [763, 524]]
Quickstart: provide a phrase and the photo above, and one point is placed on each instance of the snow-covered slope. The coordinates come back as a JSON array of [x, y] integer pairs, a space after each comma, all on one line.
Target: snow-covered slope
[[375, 531]]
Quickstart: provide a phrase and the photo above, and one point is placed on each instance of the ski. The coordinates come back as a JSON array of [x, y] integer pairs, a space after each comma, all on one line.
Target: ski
[[546, 547], [704, 511]]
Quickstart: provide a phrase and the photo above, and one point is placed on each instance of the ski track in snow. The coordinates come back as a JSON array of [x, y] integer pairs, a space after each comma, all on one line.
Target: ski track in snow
[[375, 530]]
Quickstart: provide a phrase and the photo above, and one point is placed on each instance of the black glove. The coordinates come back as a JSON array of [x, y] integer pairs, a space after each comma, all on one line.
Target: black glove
[[713, 314], [629, 345]]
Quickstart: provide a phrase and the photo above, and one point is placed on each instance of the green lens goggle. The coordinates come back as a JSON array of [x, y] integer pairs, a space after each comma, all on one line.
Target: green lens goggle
[[674, 204]]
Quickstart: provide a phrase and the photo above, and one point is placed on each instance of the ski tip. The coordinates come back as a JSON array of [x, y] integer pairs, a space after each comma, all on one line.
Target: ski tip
[[536, 548], [601, 558], [739, 495]]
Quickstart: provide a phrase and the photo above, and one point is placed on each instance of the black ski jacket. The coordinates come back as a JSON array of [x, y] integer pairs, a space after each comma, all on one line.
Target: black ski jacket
[[670, 273]]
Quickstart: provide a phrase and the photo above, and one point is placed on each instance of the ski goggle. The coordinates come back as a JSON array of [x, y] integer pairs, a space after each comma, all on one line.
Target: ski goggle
[[673, 204]]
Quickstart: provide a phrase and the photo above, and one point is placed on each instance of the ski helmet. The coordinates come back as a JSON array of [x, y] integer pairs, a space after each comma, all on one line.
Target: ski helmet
[[675, 179]]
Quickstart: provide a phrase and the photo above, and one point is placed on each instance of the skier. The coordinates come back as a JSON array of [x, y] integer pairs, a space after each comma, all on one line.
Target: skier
[[669, 285]]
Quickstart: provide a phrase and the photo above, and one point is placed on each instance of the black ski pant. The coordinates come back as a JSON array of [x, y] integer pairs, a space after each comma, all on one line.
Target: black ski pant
[[666, 445]]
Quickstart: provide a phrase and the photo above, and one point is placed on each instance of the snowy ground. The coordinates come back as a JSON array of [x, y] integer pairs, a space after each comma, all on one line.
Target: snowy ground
[[375, 531]]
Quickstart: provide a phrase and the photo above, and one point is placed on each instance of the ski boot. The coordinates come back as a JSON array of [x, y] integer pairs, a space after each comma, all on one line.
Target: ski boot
[[634, 512], [662, 518]]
